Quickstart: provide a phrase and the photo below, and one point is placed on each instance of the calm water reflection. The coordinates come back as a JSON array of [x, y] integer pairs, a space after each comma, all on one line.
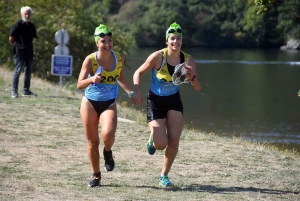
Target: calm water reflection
[[248, 93]]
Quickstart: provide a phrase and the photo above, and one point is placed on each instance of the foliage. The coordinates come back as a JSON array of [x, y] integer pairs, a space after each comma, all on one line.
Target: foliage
[[289, 18], [262, 30], [219, 23], [262, 5], [147, 20], [286, 17], [50, 16], [205, 23]]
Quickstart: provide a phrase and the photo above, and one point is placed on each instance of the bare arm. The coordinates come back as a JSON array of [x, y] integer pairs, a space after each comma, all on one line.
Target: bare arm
[[125, 85], [11, 39], [122, 80], [83, 80], [153, 61], [192, 74]]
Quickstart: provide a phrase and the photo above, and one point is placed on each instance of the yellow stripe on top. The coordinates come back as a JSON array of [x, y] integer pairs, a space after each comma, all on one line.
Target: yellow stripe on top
[[163, 73], [108, 77]]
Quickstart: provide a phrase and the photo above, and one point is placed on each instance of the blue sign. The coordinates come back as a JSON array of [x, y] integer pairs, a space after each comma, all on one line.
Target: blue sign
[[62, 65]]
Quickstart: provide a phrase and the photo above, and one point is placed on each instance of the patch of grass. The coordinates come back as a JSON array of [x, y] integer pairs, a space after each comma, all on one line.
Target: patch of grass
[[43, 157]]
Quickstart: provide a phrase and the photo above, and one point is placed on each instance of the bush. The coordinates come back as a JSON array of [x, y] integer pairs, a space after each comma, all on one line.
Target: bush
[[49, 16]]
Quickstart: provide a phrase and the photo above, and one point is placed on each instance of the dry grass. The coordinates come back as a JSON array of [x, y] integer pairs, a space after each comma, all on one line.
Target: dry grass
[[43, 157]]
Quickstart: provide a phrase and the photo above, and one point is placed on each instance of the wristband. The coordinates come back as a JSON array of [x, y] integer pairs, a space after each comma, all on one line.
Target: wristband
[[130, 94]]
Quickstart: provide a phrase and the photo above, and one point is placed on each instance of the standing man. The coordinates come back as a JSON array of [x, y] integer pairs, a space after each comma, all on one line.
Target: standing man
[[21, 36]]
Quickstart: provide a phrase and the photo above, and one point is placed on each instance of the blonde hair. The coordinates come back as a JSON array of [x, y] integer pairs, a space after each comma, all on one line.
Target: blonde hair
[[23, 9]]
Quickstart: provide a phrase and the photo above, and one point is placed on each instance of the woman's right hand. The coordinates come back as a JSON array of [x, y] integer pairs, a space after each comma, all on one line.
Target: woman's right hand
[[96, 78]]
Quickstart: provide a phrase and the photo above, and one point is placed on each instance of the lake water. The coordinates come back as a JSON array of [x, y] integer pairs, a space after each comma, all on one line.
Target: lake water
[[250, 93]]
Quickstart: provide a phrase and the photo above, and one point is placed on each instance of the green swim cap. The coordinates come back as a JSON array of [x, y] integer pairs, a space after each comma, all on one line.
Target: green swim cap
[[175, 29], [101, 31]]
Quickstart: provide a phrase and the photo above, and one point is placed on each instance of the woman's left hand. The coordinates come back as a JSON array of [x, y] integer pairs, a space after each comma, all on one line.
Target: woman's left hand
[[190, 74]]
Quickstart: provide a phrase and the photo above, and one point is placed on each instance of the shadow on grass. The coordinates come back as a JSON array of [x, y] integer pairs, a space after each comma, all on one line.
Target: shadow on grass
[[62, 97], [214, 189]]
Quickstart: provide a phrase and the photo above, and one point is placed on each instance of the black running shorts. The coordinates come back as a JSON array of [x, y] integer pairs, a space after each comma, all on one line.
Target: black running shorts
[[158, 106]]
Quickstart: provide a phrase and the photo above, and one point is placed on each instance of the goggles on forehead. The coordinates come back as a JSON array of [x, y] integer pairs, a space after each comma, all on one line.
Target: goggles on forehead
[[103, 34], [178, 30]]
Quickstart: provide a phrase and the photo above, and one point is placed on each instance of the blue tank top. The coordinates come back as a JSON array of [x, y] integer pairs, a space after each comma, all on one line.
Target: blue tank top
[[162, 87], [108, 87], [161, 79]]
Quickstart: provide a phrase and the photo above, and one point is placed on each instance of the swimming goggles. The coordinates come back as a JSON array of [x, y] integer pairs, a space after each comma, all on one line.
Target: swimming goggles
[[103, 34], [179, 76], [179, 30]]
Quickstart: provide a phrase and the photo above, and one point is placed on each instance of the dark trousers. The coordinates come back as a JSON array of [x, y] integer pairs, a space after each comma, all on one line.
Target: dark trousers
[[21, 61]]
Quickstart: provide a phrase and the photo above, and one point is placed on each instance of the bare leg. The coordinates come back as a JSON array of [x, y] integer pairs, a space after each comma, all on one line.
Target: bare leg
[[158, 132], [108, 122], [170, 140], [174, 129], [90, 120]]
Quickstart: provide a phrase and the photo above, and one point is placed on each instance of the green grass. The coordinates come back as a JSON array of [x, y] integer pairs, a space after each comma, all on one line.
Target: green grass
[[43, 157]]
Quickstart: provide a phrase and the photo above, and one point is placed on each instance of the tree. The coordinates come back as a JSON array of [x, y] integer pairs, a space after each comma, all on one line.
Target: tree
[[216, 23], [289, 19], [50, 16], [263, 5]]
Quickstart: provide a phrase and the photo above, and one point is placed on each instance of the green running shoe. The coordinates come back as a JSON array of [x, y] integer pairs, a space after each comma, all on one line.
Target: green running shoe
[[150, 147], [164, 181]]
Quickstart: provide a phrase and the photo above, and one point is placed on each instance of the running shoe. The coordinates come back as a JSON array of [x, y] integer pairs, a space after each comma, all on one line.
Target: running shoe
[[95, 182], [29, 94], [164, 181], [109, 161], [14, 94], [150, 146]]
